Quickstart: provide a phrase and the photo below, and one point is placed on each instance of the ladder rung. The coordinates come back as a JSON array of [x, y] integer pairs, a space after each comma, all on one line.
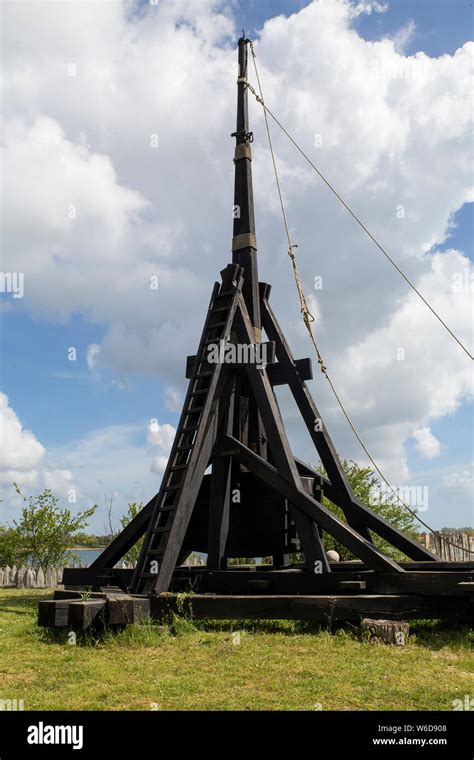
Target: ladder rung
[[185, 448], [220, 308], [203, 374], [179, 467], [167, 508], [200, 392], [225, 293], [189, 429], [173, 488], [154, 552], [195, 409], [217, 324], [165, 529], [148, 575]]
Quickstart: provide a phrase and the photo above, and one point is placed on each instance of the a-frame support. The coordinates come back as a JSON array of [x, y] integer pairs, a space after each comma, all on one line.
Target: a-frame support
[[237, 406], [212, 441]]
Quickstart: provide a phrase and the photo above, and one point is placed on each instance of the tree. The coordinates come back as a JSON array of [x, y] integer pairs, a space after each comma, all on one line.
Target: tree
[[132, 511], [368, 489], [10, 546], [45, 531]]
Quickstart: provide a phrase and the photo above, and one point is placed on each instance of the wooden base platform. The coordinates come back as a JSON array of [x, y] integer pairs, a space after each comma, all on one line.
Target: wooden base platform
[[424, 590]]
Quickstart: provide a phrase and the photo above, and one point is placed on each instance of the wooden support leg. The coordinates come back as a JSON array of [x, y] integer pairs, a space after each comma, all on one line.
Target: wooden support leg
[[279, 446], [219, 511]]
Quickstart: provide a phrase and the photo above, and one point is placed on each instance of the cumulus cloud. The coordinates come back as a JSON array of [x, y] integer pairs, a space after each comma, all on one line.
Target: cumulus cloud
[[128, 178], [91, 355], [21, 451], [23, 460], [160, 435], [158, 464], [426, 443], [173, 399]]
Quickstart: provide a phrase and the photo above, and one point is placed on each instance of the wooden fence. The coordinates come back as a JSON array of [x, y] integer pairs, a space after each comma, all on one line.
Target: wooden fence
[[28, 577], [462, 551]]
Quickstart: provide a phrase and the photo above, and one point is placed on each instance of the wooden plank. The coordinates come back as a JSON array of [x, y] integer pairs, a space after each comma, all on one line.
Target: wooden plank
[[84, 613], [304, 582], [125, 609], [278, 376], [317, 608], [269, 352], [53, 613], [219, 511], [359, 546], [94, 576]]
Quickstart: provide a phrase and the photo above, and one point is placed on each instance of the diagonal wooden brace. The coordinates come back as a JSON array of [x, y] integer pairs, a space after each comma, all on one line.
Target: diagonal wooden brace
[[363, 549]]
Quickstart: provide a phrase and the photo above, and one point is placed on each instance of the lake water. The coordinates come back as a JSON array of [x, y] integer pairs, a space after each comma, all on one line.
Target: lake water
[[87, 556]]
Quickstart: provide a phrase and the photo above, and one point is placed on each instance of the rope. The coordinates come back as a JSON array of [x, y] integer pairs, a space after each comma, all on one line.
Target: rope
[[266, 110], [308, 319]]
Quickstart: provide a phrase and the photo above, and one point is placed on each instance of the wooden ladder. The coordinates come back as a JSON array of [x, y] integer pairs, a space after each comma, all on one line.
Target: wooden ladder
[[182, 477]]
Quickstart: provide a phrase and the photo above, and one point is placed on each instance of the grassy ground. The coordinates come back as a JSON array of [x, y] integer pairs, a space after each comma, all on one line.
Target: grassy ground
[[276, 666]]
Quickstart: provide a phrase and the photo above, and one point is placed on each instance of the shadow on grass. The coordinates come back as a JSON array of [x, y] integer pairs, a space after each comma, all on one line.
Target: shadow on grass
[[430, 634], [21, 604]]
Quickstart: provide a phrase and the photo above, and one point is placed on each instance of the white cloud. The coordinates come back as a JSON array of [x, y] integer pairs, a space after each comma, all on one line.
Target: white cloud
[[173, 399], [426, 443], [158, 464], [461, 480], [396, 131], [160, 435], [24, 461], [20, 451], [91, 356]]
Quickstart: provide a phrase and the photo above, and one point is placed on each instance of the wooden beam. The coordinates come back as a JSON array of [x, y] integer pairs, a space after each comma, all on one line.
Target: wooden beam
[[375, 522], [322, 609], [277, 374], [268, 351], [86, 612], [220, 491], [294, 581], [362, 548], [219, 511], [127, 538]]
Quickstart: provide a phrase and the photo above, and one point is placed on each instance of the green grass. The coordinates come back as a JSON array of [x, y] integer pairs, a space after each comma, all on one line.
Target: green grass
[[278, 665]]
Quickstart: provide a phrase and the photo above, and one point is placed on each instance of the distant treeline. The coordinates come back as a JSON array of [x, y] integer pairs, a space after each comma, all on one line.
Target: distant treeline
[[89, 539]]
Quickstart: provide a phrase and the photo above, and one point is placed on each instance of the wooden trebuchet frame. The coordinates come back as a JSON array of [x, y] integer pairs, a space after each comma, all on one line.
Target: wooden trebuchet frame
[[231, 423]]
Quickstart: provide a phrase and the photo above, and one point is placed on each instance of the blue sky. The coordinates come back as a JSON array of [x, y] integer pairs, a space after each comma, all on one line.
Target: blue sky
[[63, 402], [442, 25]]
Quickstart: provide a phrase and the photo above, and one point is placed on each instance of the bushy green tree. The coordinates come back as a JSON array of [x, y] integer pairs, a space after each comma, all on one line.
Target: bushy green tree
[[10, 546], [46, 531], [367, 487], [132, 511]]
